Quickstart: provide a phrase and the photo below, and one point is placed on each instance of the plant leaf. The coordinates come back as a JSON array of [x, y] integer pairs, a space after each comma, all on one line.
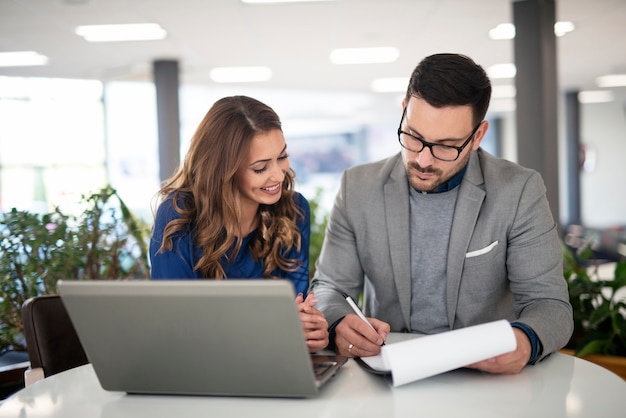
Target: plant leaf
[[600, 314], [593, 347]]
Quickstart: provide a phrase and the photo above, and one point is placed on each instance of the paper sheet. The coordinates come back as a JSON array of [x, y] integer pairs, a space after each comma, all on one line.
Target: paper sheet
[[429, 355]]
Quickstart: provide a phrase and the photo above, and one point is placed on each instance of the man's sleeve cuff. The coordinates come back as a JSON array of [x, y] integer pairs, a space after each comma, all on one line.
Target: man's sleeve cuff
[[535, 344], [331, 334]]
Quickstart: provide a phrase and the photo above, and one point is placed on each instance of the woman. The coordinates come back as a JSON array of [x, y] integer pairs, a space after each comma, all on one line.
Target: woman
[[230, 210]]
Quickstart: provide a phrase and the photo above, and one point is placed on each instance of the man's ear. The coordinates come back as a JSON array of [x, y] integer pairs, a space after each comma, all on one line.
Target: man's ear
[[480, 134]]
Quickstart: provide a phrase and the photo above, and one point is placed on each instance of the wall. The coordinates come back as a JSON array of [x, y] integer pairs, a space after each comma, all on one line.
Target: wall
[[603, 189]]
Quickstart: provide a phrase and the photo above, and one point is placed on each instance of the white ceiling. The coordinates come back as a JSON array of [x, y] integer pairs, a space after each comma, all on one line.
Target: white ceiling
[[295, 40]]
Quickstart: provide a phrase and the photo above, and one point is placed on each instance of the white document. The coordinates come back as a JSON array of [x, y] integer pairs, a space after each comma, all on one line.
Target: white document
[[429, 355]]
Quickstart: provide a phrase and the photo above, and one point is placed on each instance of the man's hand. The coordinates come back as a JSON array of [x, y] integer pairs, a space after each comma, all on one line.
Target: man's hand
[[313, 323], [508, 363], [354, 338]]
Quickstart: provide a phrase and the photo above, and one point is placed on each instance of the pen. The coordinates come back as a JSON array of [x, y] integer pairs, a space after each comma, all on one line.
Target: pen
[[358, 312]]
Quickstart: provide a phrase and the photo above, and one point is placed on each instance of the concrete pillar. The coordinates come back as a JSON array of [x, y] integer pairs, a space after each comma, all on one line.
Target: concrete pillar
[[168, 116], [572, 157], [536, 84]]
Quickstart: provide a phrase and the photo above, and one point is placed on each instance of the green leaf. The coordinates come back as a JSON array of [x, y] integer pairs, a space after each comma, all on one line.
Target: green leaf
[[594, 347], [586, 253], [619, 328], [600, 314], [620, 275]]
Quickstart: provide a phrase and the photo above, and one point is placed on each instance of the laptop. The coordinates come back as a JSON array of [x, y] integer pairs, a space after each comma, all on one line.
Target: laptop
[[196, 337]]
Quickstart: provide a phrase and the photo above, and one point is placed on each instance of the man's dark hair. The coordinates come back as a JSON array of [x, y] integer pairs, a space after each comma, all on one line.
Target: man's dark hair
[[451, 80]]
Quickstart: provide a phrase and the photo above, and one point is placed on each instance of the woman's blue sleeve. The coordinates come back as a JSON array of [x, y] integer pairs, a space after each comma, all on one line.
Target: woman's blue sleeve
[[178, 262]]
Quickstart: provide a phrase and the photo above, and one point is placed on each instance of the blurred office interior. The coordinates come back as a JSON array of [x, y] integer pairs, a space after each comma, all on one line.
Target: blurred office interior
[[86, 114]]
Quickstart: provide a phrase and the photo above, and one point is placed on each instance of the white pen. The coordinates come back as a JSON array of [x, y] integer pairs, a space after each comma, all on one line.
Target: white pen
[[358, 312]]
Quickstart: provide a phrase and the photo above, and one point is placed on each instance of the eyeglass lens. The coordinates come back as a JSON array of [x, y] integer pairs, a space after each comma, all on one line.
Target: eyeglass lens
[[442, 152]]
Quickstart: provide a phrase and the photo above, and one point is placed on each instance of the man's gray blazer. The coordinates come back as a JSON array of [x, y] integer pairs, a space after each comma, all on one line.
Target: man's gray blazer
[[504, 257]]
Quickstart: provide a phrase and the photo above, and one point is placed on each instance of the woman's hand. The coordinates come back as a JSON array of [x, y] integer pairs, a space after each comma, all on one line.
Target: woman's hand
[[313, 323]]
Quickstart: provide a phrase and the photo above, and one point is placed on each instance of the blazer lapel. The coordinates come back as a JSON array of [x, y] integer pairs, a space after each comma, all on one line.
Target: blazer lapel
[[468, 204], [397, 218]]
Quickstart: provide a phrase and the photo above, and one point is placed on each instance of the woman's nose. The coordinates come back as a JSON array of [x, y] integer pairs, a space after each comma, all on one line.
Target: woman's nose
[[278, 173]]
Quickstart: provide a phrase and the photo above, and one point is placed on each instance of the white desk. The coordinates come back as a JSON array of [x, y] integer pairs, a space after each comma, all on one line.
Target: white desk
[[561, 386]]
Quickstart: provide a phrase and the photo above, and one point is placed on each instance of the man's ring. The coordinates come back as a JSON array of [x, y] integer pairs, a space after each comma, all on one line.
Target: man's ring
[[350, 348]]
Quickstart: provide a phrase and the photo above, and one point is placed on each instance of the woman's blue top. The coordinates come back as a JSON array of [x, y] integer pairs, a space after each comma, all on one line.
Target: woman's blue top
[[180, 261]]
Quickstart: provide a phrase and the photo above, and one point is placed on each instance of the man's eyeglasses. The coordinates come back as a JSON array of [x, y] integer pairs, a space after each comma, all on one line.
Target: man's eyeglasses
[[439, 151]]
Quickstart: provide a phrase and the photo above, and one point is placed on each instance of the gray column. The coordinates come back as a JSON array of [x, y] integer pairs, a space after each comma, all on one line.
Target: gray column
[[168, 117], [572, 157], [536, 84]]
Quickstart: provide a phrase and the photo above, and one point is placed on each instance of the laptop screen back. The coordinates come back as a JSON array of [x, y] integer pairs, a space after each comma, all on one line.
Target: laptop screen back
[[192, 337]]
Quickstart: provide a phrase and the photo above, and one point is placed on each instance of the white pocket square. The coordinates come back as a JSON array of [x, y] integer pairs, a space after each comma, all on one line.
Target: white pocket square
[[482, 250]]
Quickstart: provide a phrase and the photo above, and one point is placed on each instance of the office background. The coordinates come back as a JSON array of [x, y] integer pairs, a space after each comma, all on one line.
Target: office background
[[89, 116]]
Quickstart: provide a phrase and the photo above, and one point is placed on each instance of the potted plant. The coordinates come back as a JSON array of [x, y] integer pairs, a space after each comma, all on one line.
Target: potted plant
[[599, 309], [319, 220], [37, 250]]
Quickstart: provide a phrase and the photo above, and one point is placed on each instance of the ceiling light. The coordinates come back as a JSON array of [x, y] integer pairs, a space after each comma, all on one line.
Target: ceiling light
[[279, 1], [364, 55], [240, 74], [502, 105], [503, 92], [595, 96], [22, 59], [127, 32], [611, 80], [507, 30], [503, 31], [502, 71], [564, 27], [390, 84]]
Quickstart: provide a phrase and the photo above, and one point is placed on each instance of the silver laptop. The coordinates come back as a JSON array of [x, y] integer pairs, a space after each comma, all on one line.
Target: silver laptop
[[196, 337]]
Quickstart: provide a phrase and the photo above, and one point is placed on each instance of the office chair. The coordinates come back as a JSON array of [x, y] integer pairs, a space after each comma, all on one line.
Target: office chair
[[51, 340]]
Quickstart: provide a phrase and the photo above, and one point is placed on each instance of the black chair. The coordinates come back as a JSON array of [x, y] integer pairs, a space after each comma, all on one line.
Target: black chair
[[51, 340]]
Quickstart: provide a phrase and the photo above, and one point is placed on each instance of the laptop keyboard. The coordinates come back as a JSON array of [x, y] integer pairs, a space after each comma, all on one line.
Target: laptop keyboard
[[320, 368]]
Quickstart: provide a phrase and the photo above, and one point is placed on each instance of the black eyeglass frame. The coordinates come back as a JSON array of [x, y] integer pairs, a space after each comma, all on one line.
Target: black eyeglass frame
[[430, 145]]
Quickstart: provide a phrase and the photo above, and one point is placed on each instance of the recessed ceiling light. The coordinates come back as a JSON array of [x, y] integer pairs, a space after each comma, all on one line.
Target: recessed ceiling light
[[595, 96], [503, 31], [563, 27], [503, 92], [502, 105], [119, 33], [502, 71], [240, 74], [364, 55], [507, 30], [279, 1], [390, 84], [22, 59], [611, 80]]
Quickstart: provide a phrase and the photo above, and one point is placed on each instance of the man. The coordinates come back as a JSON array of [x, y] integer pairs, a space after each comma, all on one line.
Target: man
[[443, 235]]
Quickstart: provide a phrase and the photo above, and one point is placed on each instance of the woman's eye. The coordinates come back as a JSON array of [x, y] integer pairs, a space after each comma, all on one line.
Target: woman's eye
[[283, 157], [260, 170]]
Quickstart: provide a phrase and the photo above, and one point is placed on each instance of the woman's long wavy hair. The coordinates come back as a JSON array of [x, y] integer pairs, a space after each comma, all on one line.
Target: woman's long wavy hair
[[204, 193]]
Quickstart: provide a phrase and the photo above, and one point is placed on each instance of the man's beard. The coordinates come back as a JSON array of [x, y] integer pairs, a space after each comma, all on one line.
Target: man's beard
[[413, 166]]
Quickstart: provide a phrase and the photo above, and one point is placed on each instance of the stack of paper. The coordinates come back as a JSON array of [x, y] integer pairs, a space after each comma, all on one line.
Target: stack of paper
[[429, 355]]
